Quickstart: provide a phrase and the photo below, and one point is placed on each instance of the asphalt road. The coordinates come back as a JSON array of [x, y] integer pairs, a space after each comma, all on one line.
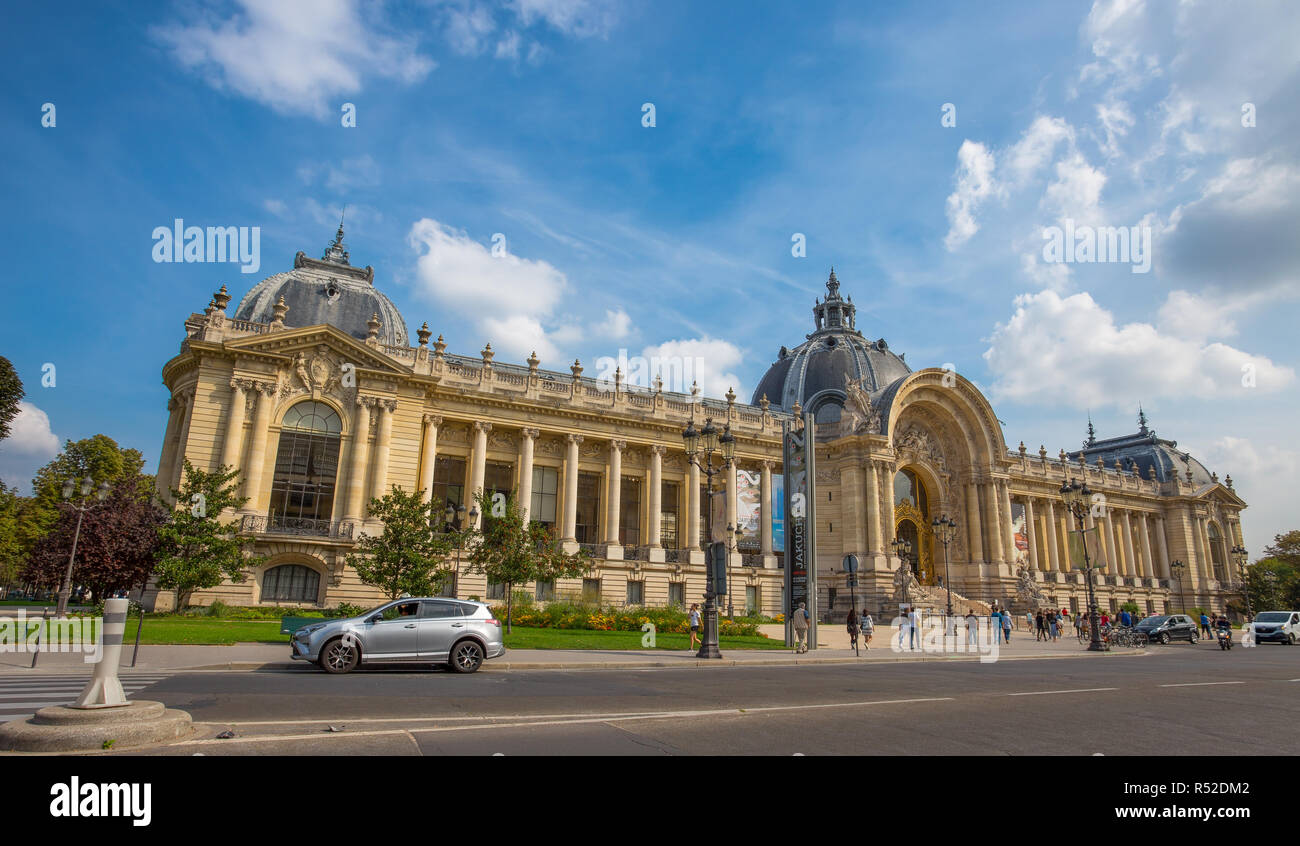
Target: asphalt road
[[1179, 699]]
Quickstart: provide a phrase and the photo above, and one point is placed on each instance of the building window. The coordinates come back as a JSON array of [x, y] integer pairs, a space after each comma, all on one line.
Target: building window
[[449, 482], [591, 590], [545, 591], [498, 478], [753, 600], [629, 506], [291, 583], [668, 515], [1216, 553], [546, 481], [496, 590], [676, 595], [908, 486], [636, 593], [306, 467], [587, 528]]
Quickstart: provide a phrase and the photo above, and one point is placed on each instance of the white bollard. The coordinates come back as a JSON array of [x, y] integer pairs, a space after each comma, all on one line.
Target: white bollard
[[104, 689]]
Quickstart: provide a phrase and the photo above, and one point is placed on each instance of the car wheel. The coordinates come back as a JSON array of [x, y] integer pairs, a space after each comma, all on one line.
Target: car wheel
[[337, 657], [1193, 638], [1290, 640], [466, 656], [1164, 638]]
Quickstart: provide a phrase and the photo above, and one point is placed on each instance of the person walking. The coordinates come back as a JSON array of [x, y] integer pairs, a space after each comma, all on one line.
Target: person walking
[[972, 628], [913, 628], [995, 620], [868, 628], [1006, 627], [799, 621], [852, 625], [694, 618], [1053, 624], [1205, 624], [1029, 620], [1040, 626], [1078, 627]]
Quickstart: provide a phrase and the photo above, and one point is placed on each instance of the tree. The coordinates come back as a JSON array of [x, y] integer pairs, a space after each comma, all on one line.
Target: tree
[[197, 551], [117, 549], [1272, 584], [11, 392], [1286, 547], [98, 457], [13, 548], [408, 556], [513, 551]]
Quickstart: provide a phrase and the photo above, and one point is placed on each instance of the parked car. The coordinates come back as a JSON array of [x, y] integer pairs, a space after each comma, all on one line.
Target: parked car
[[422, 630], [1167, 627], [1282, 626]]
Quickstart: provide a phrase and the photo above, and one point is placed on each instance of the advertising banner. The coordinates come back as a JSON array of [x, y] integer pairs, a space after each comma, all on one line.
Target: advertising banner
[[1019, 531], [777, 509]]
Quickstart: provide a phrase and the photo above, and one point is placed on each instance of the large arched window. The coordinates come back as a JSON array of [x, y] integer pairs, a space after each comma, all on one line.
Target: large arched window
[[290, 583], [907, 486], [306, 468], [1216, 553]]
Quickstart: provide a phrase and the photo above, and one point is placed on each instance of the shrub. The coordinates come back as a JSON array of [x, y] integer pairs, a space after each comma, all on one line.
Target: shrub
[[570, 614], [218, 609], [347, 609]]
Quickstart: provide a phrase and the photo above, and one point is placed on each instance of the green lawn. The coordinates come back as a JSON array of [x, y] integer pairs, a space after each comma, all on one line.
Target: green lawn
[[183, 630], [531, 638], [29, 602]]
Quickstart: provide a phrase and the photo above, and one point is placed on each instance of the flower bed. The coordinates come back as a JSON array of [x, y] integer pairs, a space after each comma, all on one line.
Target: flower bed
[[565, 615]]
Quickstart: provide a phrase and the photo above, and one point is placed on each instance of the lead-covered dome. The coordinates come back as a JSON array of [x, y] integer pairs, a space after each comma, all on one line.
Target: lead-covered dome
[[816, 372], [329, 290]]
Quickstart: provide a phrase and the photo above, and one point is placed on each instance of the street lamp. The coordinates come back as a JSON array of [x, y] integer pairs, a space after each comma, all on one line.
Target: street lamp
[[734, 534], [945, 531], [1177, 568], [1241, 556], [65, 592], [1077, 500], [708, 441], [903, 551]]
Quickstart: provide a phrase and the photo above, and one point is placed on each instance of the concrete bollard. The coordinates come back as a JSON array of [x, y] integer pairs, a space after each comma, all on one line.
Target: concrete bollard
[[105, 689]]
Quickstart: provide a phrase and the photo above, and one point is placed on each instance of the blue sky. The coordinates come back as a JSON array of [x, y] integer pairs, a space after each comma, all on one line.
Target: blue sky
[[525, 118]]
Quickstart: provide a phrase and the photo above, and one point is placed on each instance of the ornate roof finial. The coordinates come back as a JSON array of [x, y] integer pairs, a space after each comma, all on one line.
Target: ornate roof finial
[[833, 286], [533, 361], [279, 311], [1142, 421], [424, 334], [1092, 432], [335, 252]]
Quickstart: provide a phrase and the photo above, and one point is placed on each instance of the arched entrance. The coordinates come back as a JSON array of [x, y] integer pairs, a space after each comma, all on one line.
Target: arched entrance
[[912, 522]]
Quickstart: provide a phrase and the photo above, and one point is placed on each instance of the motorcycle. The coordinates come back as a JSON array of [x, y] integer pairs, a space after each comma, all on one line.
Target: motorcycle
[[1225, 638]]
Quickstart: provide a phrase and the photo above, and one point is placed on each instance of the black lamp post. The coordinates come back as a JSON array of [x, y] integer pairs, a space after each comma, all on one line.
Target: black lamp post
[[69, 488], [903, 552], [708, 441], [455, 521], [1241, 556], [1177, 568], [734, 534], [1077, 500], [945, 531]]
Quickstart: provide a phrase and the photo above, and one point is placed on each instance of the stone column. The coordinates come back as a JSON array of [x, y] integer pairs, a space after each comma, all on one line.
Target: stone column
[[656, 495], [234, 425], [186, 399], [765, 509], [1008, 535], [478, 466], [876, 540], [692, 507], [1031, 532], [167, 459], [357, 469], [973, 534], [731, 505], [526, 439], [887, 512], [1053, 547], [851, 508], [429, 454], [1145, 532], [614, 487], [1134, 569], [257, 447], [994, 533], [571, 486], [1162, 549], [383, 443]]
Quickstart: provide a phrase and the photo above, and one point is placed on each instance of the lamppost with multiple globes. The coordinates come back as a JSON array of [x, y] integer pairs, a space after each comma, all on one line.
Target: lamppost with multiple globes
[[945, 531], [1241, 556], [454, 521], [1077, 501], [1177, 568], [708, 441], [81, 507], [903, 552]]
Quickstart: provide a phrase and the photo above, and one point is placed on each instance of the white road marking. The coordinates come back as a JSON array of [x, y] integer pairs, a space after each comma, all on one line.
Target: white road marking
[[1045, 692], [1199, 684]]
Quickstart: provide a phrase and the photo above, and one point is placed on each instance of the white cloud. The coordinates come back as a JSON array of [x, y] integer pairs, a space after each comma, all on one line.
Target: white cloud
[[975, 183], [296, 56], [1262, 474], [1076, 193], [711, 362], [1072, 352], [576, 18], [1036, 147], [29, 446], [617, 324], [473, 29]]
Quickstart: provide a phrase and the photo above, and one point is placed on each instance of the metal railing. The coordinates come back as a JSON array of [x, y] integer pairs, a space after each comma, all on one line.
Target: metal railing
[[278, 524]]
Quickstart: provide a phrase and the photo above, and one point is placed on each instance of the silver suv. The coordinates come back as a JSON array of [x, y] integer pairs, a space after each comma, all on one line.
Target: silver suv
[[458, 633]]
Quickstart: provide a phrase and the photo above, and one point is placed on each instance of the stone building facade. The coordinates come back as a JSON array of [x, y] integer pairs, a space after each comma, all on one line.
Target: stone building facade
[[313, 391]]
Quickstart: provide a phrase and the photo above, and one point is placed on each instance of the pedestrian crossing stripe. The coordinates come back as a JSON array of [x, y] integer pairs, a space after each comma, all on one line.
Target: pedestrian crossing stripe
[[21, 697]]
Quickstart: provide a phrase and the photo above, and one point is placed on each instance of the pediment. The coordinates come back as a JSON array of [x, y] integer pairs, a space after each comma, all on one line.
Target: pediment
[[1218, 492], [308, 346]]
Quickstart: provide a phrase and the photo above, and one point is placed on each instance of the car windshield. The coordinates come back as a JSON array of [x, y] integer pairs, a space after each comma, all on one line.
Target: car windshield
[[1153, 621], [1273, 617]]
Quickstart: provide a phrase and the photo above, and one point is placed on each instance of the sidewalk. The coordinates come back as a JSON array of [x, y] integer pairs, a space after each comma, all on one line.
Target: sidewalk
[[833, 649]]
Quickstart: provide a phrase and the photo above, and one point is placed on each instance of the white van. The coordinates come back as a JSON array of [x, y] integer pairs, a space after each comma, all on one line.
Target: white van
[[1282, 626]]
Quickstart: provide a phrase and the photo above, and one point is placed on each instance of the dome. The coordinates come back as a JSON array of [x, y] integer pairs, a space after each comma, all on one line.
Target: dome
[[330, 291], [815, 372], [1144, 453]]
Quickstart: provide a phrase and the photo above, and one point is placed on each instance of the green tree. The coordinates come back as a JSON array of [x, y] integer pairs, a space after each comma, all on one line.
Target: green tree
[[1286, 547], [511, 551], [197, 551], [408, 556], [11, 392], [12, 545], [98, 457], [1273, 584]]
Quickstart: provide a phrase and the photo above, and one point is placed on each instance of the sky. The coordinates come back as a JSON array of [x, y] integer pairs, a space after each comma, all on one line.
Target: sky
[[581, 177]]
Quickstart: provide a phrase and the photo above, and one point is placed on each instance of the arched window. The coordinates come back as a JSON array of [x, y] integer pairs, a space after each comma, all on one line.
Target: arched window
[[290, 583], [1216, 553], [306, 467], [908, 486]]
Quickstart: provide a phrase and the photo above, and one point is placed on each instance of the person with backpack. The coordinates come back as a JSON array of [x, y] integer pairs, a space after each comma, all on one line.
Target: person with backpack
[[799, 621]]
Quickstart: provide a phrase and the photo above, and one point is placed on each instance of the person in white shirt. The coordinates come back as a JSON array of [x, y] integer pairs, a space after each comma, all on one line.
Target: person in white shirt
[[868, 627], [694, 618], [913, 628]]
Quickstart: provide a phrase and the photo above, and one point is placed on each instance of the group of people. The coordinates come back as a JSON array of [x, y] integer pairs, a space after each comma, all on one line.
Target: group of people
[[863, 624], [1048, 624]]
